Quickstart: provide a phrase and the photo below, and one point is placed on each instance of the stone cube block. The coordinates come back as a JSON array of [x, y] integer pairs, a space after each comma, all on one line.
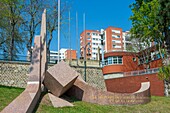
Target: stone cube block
[[59, 78]]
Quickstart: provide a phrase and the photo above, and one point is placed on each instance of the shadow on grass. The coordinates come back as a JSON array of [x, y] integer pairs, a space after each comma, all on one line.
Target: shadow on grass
[[39, 101], [10, 87], [65, 97]]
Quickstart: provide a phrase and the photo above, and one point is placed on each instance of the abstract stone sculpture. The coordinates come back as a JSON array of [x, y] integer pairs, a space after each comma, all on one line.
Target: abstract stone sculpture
[[58, 102], [62, 79], [59, 78], [27, 100], [87, 93]]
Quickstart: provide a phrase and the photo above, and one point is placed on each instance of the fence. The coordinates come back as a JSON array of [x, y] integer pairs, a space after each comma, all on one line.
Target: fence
[[141, 72], [20, 58]]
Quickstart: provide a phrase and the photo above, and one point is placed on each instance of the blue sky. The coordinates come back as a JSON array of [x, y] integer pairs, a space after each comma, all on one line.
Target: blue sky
[[100, 14]]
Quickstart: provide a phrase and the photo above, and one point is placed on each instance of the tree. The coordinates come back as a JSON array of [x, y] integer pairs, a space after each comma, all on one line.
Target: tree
[[144, 27], [32, 18], [151, 22], [52, 19], [10, 27], [164, 25]]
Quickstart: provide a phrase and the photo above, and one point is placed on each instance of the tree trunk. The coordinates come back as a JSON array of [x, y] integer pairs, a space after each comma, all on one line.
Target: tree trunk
[[166, 87], [166, 59], [12, 42]]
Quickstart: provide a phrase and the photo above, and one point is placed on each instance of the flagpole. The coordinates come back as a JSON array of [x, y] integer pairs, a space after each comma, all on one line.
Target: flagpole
[[58, 31]]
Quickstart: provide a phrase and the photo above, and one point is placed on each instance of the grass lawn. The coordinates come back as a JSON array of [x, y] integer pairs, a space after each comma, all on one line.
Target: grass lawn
[[7, 94], [157, 105]]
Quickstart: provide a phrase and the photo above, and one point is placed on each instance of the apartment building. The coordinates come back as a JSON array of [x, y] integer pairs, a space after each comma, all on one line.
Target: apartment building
[[64, 54], [70, 54], [54, 55], [113, 39], [126, 40], [90, 42]]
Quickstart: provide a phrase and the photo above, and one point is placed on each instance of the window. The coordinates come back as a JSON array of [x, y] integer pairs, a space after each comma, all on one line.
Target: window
[[118, 36], [94, 48], [95, 34], [109, 60], [113, 36], [88, 38], [88, 34], [113, 45], [114, 60], [119, 60]]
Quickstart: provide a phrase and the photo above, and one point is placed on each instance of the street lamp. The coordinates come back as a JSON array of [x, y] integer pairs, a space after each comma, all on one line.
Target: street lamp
[[85, 60]]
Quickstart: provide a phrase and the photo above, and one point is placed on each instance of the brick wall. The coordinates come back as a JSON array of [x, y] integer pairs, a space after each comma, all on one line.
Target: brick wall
[[128, 63], [132, 83]]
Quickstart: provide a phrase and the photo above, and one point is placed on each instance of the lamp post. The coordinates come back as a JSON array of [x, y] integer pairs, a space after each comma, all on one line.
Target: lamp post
[[84, 25], [85, 60]]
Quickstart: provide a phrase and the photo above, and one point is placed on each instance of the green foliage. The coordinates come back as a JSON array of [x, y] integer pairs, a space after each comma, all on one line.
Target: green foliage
[[32, 13], [12, 37], [164, 72], [20, 21], [164, 21], [144, 26], [144, 21], [151, 22]]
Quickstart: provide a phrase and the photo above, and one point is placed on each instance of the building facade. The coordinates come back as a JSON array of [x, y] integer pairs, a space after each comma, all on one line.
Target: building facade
[[113, 39], [90, 44], [64, 54], [70, 54]]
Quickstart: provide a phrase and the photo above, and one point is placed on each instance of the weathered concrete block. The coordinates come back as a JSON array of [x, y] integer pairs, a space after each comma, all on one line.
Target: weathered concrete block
[[59, 78]]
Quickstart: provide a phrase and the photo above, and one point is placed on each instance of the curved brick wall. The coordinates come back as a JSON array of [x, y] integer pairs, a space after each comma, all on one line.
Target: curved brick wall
[[128, 63], [132, 83], [85, 92]]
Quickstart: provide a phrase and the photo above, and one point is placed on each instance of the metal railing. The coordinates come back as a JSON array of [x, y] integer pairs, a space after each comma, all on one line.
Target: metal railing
[[20, 58], [141, 72]]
